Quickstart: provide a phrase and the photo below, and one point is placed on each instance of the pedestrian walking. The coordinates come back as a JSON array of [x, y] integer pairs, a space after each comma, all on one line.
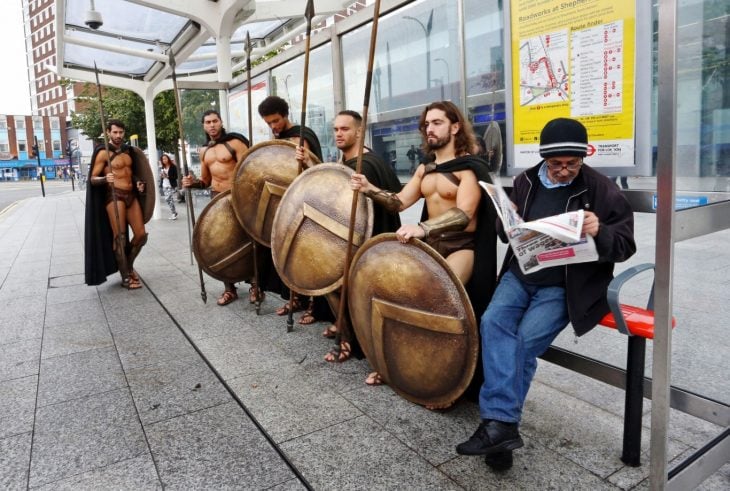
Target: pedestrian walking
[[168, 174]]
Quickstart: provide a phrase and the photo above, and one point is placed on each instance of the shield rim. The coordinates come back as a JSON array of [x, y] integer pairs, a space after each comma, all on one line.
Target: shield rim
[[470, 321], [321, 167], [144, 173], [312, 160]]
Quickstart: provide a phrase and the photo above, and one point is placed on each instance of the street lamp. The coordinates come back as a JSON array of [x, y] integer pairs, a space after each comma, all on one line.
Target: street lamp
[[448, 75], [427, 33], [286, 86]]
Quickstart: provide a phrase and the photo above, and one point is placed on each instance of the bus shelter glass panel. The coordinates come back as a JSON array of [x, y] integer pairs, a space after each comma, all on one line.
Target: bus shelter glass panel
[[287, 82], [484, 53], [238, 109], [416, 62], [703, 109]]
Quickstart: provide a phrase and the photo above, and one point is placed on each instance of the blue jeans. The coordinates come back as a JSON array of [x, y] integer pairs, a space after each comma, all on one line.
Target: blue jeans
[[517, 327]]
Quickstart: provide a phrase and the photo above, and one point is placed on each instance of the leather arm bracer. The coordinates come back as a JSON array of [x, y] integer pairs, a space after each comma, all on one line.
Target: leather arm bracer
[[98, 180], [387, 199], [453, 219]]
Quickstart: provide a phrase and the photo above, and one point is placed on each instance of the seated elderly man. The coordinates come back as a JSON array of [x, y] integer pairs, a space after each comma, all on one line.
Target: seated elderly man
[[528, 311]]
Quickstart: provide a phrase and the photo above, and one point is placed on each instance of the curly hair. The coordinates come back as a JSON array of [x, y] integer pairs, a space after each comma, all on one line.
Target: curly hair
[[273, 105], [464, 140]]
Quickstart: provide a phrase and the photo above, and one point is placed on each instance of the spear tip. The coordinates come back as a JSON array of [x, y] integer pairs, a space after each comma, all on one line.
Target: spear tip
[[309, 11]]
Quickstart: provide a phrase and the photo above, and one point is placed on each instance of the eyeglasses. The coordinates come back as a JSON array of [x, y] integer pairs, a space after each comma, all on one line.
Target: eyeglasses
[[555, 165]]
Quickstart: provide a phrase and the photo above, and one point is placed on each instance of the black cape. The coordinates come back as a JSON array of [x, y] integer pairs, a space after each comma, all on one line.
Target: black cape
[[484, 276], [309, 136], [381, 175], [99, 261]]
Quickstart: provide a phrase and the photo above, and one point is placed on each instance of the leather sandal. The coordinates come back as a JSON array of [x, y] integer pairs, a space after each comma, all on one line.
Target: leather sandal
[[227, 297], [330, 331], [284, 309], [374, 378], [131, 283], [338, 355]]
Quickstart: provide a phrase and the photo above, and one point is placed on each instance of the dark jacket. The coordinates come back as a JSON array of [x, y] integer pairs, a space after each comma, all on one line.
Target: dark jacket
[[172, 175], [586, 283]]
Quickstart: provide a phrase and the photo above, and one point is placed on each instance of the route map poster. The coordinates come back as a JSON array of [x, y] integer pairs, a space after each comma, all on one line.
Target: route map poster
[[238, 111], [574, 58]]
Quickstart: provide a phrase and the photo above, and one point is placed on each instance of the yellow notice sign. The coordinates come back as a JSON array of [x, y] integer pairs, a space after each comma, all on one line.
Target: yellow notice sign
[[574, 59]]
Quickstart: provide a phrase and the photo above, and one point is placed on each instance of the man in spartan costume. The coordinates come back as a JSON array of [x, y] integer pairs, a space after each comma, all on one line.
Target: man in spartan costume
[[456, 221], [218, 159], [347, 128], [107, 246], [275, 112]]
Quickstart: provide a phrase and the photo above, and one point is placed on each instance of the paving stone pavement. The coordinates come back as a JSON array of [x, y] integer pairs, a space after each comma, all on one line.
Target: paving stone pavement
[[103, 388]]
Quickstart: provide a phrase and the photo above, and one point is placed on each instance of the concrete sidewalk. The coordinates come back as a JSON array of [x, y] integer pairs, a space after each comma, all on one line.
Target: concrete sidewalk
[[103, 388]]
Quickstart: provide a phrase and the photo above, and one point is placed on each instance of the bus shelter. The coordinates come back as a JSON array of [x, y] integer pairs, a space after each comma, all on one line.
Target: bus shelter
[[133, 45]]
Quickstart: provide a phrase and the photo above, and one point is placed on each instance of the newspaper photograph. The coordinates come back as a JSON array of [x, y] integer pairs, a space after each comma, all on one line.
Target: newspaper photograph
[[542, 243]]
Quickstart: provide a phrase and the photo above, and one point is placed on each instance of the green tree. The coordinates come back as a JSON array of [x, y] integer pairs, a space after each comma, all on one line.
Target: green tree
[[194, 104], [128, 107]]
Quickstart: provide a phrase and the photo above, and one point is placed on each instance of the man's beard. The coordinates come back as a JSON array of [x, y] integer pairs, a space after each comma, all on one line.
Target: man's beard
[[439, 143]]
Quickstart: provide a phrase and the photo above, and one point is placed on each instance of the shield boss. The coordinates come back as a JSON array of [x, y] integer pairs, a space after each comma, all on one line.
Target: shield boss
[[310, 230], [259, 181], [413, 320], [222, 248]]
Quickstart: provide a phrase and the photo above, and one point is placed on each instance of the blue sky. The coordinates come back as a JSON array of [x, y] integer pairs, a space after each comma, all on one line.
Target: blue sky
[[14, 96]]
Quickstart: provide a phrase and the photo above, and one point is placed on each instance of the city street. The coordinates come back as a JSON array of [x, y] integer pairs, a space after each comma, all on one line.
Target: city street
[[14, 191]]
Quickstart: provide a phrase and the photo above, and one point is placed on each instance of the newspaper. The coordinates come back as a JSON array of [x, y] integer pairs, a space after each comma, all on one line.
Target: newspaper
[[539, 244]]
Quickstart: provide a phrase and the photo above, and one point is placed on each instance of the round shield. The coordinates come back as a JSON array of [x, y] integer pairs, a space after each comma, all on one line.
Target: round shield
[[143, 172], [311, 226], [493, 144], [259, 181], [222, 248], [413, 320]]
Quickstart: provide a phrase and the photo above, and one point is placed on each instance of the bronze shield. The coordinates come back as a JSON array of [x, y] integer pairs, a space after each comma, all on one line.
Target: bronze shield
[[222, 248], [310, 229], [259, 181], [143, 172], [413, 320]]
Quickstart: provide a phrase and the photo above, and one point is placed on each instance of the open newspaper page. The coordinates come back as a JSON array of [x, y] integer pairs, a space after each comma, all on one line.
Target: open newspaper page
[[543, 243]]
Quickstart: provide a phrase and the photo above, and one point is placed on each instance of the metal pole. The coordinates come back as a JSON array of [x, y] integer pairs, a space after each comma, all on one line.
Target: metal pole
[[343, 329], [666, 187], [38, 157], [186, 171]]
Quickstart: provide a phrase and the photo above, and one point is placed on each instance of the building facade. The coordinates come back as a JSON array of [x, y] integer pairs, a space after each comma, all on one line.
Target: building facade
[[31, 146]]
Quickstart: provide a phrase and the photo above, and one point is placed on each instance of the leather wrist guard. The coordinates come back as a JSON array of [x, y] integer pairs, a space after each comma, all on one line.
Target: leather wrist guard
[[387, 199], [198, 184], [98, 180], [451, 220]]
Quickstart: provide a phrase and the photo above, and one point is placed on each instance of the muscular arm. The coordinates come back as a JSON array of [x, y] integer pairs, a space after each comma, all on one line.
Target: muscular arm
[[100, 164], [238, 146], [411, 192]]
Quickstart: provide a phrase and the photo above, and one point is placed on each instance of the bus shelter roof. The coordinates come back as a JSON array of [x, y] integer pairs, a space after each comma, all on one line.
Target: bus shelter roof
[[131, 41]]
